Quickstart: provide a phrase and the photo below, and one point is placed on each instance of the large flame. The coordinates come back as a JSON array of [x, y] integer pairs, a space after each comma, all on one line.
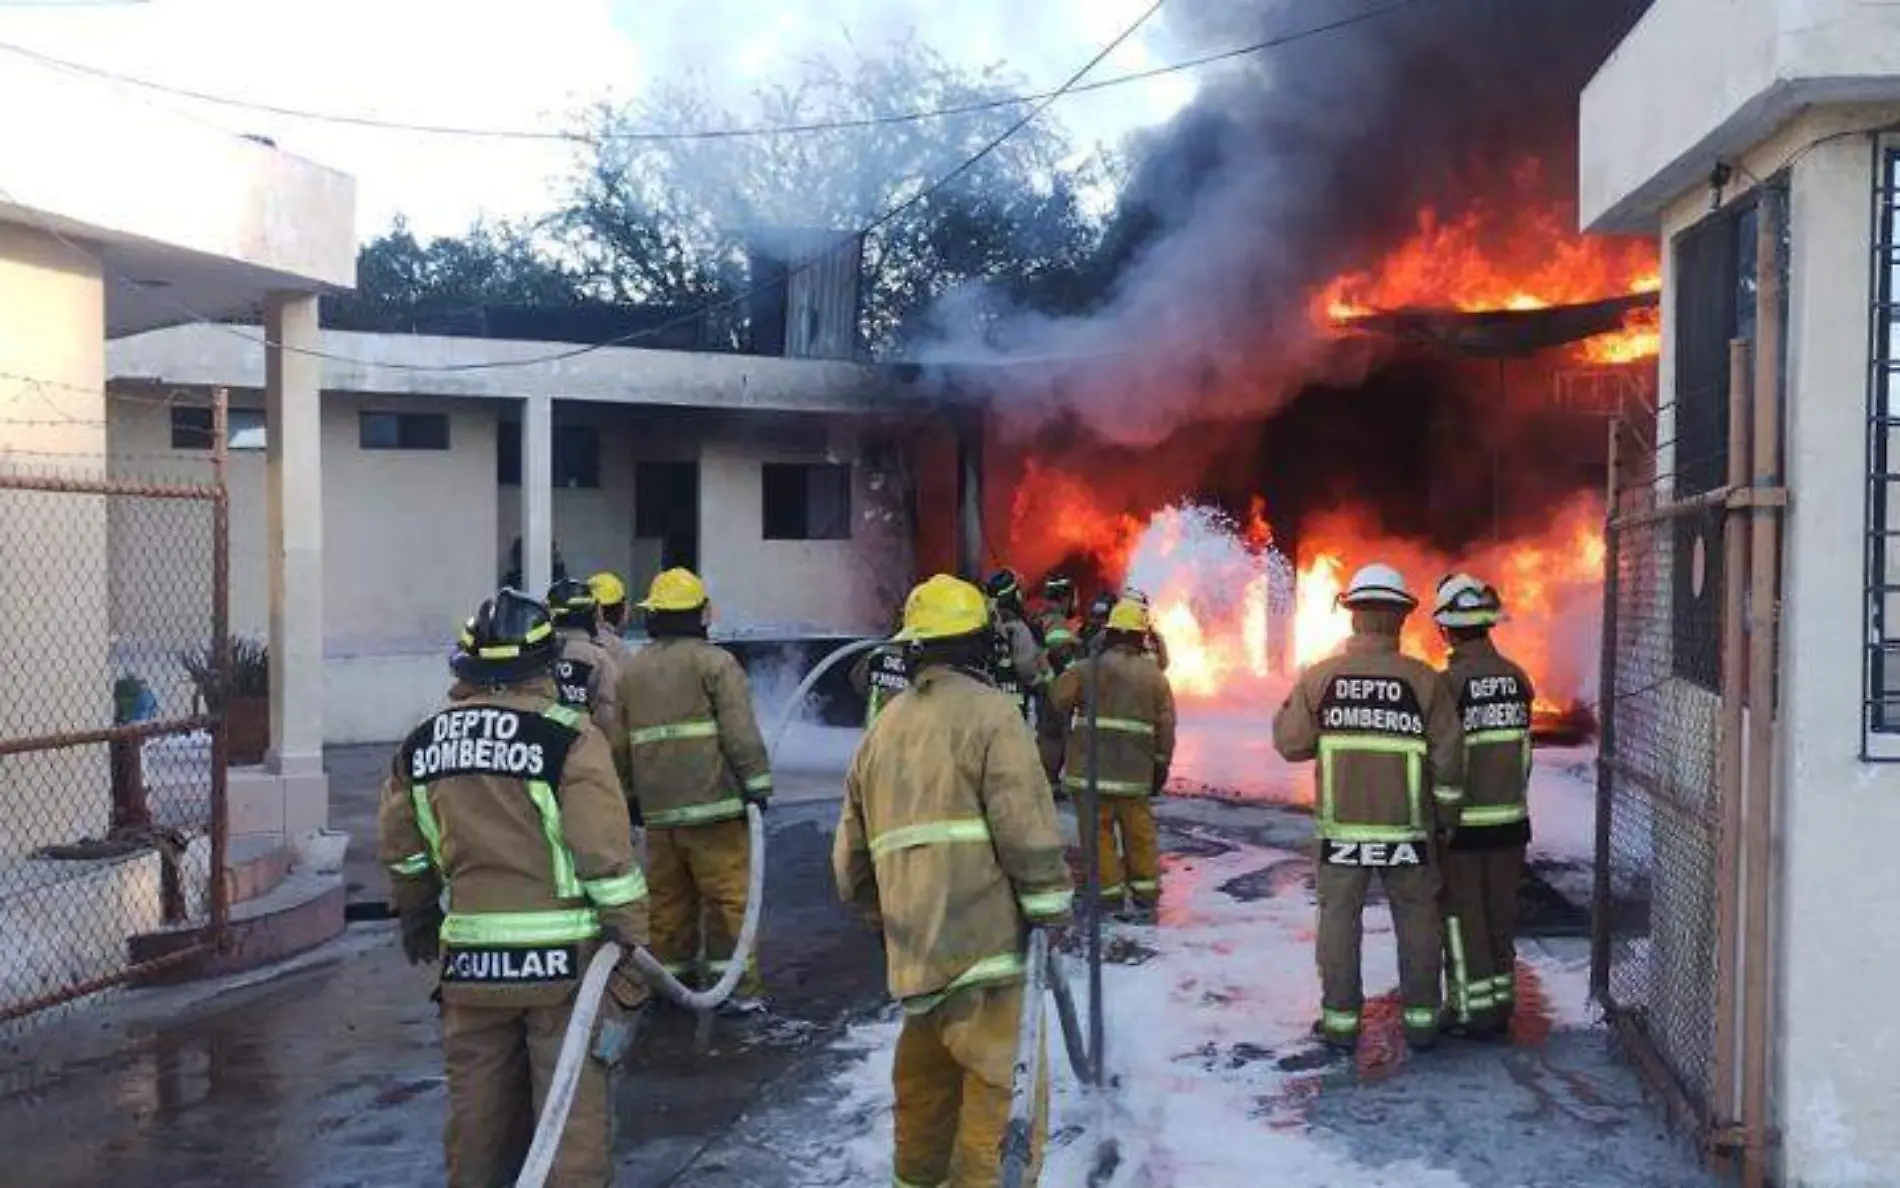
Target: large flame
[[1529, 258]]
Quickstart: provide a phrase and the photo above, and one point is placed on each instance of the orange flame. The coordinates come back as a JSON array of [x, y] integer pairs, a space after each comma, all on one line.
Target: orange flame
[[1531, 258]]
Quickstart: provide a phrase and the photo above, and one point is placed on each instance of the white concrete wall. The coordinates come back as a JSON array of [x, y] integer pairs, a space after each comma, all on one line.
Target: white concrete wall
[[53, 588], [1833, 1090], [225, 198], [762, 586], [1700, 79]]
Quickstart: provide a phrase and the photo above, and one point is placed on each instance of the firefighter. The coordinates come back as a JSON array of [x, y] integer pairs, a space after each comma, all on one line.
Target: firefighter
[[611, 593], [1485, 857], [1154, 643], [1062, 646], [1096, 621], [1390, 752], [879, 675], [506, 800], [949, 843], [1134, 746], [692, 758], [585, 672], [1019, 666]]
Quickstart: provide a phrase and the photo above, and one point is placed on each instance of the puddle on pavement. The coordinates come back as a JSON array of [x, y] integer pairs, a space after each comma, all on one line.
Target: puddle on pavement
[[1289, 876]]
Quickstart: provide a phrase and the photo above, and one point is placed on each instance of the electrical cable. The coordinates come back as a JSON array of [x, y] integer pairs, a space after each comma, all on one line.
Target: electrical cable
[[740, 132]]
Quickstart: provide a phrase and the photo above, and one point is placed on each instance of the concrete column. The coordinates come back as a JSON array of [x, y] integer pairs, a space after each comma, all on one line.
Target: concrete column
[[294, 549], [537, 493]]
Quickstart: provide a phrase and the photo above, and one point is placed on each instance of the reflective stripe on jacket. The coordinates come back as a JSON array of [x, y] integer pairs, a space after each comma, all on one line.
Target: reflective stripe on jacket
[[1386, 737], [509, 801], [688, 742], [1494, 699], [948, 837], [1134, 722]]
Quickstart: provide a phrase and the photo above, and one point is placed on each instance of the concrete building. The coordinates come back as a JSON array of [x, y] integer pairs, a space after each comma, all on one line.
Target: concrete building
[[1705, 103], [450, 464], [116, 217]]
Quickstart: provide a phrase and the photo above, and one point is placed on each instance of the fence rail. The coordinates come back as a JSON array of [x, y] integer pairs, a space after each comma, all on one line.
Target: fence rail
[[114, 593]]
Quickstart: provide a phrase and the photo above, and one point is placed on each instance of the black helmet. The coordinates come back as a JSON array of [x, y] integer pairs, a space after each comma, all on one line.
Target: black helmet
[[509, 640], [1003, 586], [1102, 607], [1056, 588], [573, 603]]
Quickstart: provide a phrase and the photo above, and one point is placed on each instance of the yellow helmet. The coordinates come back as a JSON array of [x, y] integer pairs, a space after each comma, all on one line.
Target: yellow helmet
[[944, 608], [675, 590], [608, 588], [1129, 615]]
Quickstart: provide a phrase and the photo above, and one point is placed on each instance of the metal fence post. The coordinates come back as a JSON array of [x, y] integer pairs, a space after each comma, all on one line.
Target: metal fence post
[[221, 651], [1603, 890]]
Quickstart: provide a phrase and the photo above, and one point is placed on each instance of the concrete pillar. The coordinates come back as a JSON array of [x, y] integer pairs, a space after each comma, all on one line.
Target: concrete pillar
[[294, 498], [537, 494]]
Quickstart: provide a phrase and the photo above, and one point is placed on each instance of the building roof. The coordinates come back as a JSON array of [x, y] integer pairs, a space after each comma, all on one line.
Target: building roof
[[1698, 82], [231, 356], [186, 219]]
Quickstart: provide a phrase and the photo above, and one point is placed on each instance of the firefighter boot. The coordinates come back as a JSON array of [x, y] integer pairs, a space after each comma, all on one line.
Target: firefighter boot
[[1412, 893]]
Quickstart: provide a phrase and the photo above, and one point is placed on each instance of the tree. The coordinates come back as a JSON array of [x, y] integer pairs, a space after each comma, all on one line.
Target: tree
[[670, 220], [402, 281]]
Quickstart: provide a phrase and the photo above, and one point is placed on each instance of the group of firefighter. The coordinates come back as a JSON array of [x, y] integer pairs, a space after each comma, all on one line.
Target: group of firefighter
[[512, 823]]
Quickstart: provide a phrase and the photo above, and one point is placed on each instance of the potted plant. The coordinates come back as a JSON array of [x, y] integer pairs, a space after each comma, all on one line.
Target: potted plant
[[241, 694]]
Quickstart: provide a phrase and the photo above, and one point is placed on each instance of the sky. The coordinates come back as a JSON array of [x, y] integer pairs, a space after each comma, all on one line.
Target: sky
[[504, 63]]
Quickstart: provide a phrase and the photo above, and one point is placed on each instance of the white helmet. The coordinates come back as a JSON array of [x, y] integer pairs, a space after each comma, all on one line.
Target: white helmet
[[1378, 586], [1464, 601]]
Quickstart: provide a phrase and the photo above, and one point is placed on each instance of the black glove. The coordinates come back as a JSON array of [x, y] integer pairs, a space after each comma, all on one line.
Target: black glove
[[1159, 788], [634, 814], [422, 935], [758, 798]]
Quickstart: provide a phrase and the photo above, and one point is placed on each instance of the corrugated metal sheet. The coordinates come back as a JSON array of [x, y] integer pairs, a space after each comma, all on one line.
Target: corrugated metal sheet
[[808, 306]]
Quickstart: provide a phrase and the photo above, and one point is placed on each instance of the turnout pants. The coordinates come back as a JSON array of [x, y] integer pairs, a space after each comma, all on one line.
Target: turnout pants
[[500, 1061], [1412, 893], [952, 1077], [1132, 864], [696, 882], [1480, 905]]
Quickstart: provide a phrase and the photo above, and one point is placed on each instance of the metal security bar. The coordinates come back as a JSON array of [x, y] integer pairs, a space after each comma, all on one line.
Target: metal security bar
[[1880, 667], [112, 756]]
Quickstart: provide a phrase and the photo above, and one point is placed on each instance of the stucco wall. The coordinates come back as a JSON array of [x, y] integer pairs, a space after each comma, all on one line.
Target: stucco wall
[[799, 585], [52, 547], [1697, 79], [1834, 1101]]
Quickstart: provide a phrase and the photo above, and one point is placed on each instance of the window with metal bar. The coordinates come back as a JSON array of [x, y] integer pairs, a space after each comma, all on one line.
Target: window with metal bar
[[1882, 668]]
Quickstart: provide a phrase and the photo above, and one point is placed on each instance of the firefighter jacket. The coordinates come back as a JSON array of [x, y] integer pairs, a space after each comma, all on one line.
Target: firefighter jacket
[[688, 742], [507, 799], [1493, 697], [1134, 723], [879, 675], [1389, 748], [1061, 639], [586, 677], [1020, 669], [948, 838]]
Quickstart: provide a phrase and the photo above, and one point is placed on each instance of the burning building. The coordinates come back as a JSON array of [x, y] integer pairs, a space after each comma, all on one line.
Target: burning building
[[1354, 319]]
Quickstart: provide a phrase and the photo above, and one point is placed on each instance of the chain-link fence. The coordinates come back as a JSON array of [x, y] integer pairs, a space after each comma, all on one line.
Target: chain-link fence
[[112, 625], [1661, 755]]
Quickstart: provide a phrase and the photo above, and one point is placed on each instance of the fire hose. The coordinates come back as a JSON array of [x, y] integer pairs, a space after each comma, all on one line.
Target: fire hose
[[580, 1026], [1045, 972]]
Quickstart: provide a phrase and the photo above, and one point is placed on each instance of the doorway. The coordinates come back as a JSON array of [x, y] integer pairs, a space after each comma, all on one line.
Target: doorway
[[665, 518]]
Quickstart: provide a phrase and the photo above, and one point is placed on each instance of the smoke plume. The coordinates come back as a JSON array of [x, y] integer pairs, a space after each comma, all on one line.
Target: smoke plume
[[1292, 166]]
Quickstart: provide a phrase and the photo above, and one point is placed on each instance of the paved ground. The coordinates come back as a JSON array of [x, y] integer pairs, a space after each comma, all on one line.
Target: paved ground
[[326, 1074]]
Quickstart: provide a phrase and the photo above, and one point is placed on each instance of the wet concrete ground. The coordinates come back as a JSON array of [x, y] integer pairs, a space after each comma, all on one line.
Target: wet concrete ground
[[326, 1074]]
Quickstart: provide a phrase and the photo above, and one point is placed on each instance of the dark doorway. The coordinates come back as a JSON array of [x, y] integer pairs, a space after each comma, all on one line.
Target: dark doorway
[[666, 511]]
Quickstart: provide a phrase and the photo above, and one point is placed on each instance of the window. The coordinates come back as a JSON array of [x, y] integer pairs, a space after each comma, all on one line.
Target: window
[[403, 431], [1715, 302], [576, 462], [807, 502], [1881, 672], [191, 428]]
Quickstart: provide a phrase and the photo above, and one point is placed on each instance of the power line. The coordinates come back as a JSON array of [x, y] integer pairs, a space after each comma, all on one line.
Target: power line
[[626, 339], [376, 123]]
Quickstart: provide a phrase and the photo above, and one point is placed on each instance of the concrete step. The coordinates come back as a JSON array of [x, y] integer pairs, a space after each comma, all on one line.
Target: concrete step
[[303, 911], [254, 867]]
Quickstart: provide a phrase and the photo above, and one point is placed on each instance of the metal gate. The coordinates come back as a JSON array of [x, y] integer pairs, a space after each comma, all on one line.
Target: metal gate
[[113, 629], [1680, 921]]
